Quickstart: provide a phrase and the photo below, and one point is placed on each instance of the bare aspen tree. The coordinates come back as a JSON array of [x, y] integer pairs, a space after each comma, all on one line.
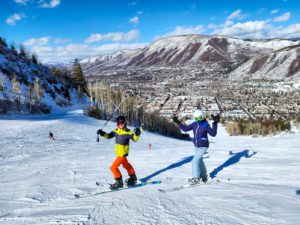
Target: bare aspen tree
[[90, 88], [97, 97], [16, 90], [2, 84], [30, 97], [4, 102], [101, 95], [38, 90]]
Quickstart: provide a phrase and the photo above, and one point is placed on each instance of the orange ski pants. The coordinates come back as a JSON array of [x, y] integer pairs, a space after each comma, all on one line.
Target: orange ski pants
[[118, 161]]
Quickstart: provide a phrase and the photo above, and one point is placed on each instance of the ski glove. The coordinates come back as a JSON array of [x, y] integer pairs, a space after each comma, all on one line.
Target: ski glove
[[101, 132], [137, 131], [175, 120], [216, 118]]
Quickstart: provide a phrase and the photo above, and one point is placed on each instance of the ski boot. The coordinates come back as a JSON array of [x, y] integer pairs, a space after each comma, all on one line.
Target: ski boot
[[204, 179], [131, 180], [194, 181], [118, 184]]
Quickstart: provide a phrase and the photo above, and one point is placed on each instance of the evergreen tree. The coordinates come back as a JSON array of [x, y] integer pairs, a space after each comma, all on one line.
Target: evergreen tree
[[13, 49], [3, 42], [34, 59], [23, 53], [78, 77]]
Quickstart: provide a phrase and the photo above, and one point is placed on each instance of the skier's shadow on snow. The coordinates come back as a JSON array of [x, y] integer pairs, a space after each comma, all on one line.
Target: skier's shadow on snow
[[235, 158], [170, 167]]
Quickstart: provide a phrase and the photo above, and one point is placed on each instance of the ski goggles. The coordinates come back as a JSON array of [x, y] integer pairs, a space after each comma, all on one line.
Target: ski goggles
[[199, 118]]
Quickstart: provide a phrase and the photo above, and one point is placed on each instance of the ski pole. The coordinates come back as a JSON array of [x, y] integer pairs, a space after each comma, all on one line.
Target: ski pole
[[97, 139], [116, 108]]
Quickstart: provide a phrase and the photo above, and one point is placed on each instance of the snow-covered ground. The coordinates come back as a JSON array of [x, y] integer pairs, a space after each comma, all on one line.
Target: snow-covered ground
[[39, 177]]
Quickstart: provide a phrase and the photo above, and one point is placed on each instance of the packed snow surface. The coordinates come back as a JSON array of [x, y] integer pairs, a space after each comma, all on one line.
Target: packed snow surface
[[260, 177]]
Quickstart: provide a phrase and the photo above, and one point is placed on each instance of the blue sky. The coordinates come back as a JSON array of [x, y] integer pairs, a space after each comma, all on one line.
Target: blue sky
[[64, 29]]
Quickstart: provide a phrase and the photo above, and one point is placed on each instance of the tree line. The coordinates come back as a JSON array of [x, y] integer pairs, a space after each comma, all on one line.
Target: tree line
[[258, 127], [109, 103]]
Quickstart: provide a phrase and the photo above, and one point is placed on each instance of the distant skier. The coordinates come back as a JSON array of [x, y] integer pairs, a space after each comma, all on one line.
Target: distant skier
[[51, 136], [123, 136], [200, 128]]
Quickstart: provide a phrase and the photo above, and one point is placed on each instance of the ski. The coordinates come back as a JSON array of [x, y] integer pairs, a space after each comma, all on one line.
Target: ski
[[184, 186], [140, 184]]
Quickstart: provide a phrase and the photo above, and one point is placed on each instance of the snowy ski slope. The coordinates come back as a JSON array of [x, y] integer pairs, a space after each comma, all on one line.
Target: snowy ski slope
[[39, 177]]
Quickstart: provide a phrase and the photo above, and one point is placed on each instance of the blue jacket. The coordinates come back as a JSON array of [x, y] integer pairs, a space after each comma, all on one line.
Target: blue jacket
[[200, 129]]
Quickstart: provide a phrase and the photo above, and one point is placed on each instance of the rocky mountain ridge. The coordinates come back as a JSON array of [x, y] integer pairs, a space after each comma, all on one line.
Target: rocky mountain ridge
[[237, 57]]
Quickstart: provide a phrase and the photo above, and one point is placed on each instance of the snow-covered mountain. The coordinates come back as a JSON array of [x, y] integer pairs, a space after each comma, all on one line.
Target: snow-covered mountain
[[280, 64], [117, 60], [193, 51], [39, 177]]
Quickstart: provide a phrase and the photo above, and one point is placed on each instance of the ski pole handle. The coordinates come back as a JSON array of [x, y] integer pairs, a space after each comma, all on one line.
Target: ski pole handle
[[97, 139]]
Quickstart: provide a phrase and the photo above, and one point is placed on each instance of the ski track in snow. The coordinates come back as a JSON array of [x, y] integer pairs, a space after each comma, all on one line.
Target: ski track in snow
[[39, 177]]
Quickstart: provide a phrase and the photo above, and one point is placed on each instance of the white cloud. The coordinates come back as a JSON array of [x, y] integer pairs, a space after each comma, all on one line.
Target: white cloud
[[61, 40], [115, 37], [133, 3], [250, 29], [283, 17], [47, 4], [228, 23], [72, 51], [95, 38], [219, 26], [134, 21], [257, 29], [236, 15], [182, 30], [37, 41], [22, 2], [12, 20], [140, 12], [212, 26], [292, 31], [42, 49]]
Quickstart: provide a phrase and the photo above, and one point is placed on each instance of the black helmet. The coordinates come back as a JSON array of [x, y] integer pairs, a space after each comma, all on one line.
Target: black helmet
[[121, 118]]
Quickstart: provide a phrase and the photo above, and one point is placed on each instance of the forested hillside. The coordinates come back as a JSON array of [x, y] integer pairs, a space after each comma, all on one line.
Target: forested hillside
[[28, 86]]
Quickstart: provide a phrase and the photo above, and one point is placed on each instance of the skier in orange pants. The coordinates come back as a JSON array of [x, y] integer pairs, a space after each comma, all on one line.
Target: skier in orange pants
[[123, 136], [124, 162]]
